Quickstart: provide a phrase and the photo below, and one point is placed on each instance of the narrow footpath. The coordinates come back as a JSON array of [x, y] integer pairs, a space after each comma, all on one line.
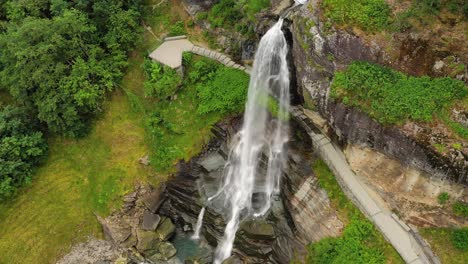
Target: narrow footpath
[[412, 248]]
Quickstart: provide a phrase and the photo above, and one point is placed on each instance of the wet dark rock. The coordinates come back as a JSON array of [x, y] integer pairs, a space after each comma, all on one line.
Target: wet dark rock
[[276, 239]]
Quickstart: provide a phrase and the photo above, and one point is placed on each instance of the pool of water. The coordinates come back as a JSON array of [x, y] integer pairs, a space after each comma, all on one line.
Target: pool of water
[[187, 247]]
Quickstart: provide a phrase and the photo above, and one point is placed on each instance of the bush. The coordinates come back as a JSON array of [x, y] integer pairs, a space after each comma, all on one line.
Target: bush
[[460, 238], [22, 147], [161, 81], [225, 92], [370, 15], [350, 248], [177, 29], [391, 97], [443, 198], [231, 13], [460, 209]]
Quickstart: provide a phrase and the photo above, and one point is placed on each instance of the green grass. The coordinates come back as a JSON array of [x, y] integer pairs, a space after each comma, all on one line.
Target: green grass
[[359, 236], [89, 175], [393, 98], [80, 178], [369, 15], [440, 241], [179, 128]]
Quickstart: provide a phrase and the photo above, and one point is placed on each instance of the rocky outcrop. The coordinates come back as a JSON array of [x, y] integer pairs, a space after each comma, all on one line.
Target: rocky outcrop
[[302, 213], [319, 50], [135, 234], [194, 6]]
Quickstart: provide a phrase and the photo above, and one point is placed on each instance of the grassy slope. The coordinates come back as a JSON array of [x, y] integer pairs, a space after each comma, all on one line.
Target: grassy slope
[[346, 210], [87, 176], [79, 178], [440, 241]]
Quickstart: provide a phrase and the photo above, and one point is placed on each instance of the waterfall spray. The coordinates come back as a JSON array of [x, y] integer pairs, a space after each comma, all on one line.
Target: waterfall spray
[[264, 132]]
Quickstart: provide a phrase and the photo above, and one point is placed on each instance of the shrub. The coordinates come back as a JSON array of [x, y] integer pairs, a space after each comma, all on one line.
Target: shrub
[[225, 92], [443, 198], [177, 29], [392, 97], [350, 248], [370, 15], [22, 147], [460, 209], [161, 81], [460, 238]]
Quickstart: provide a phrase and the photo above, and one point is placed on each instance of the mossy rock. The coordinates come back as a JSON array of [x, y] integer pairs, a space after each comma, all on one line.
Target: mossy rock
[[259, 230], [162, 251], [165, 229]]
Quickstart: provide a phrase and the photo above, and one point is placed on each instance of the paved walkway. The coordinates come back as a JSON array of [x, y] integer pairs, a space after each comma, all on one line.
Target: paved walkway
[[170, 53], [406, 241]]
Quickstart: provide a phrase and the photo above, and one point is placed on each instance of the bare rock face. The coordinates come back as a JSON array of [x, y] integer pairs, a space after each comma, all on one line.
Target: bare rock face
[[195, 6], [295, 218], [405, 190]]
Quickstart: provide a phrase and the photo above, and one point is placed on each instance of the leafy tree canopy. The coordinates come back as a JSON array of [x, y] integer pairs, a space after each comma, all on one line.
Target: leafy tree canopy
[[22, 146]]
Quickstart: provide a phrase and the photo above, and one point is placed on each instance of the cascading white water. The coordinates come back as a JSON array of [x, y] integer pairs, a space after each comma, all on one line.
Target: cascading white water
[[264, 131], [196, 234]]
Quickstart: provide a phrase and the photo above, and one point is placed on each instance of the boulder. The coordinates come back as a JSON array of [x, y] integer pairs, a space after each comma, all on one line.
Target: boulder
[[150, 221], [116, 232], [258, 230], [212, 162], [154, 199], [162, 251], [146, 240], [165, 229]]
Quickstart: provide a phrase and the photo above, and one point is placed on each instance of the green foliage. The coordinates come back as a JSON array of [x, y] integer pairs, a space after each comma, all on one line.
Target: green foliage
[[443, 198], [370, 15], [179, 128], [177, 29], [460, 238], [161, 81], [231, 14], [64, 56], [391, 97], [349, 248], [225, 92], [460, 209], [22, 147], [225, 13], [360, 242], [441, 241]]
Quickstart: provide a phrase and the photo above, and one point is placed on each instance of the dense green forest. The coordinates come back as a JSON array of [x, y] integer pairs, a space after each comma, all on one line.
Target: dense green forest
[[59, 59]]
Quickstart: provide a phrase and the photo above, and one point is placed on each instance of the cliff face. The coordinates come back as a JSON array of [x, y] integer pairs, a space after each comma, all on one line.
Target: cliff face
[[317, 55], [301, 214]]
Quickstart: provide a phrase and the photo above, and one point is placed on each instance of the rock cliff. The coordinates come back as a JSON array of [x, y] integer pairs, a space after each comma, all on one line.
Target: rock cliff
[[318, 51]]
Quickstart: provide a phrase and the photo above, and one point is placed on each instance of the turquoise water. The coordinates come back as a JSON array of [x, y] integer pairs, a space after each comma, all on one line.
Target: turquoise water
[[186, 247]]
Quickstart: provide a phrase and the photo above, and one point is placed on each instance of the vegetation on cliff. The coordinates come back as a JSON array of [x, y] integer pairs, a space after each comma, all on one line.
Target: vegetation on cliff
[[377, 15], [361, 242], [394, 98], [179, 128]]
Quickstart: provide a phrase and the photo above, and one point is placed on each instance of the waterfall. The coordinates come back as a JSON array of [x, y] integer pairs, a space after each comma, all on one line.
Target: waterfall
[[263, 136], [196, 234]]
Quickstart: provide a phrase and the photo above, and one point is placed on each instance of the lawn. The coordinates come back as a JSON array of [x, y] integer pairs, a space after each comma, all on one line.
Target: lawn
[[80, 178], [440, 241]]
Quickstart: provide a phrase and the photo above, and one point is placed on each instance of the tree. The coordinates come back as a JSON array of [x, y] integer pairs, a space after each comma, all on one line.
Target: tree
[[22, 146]]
